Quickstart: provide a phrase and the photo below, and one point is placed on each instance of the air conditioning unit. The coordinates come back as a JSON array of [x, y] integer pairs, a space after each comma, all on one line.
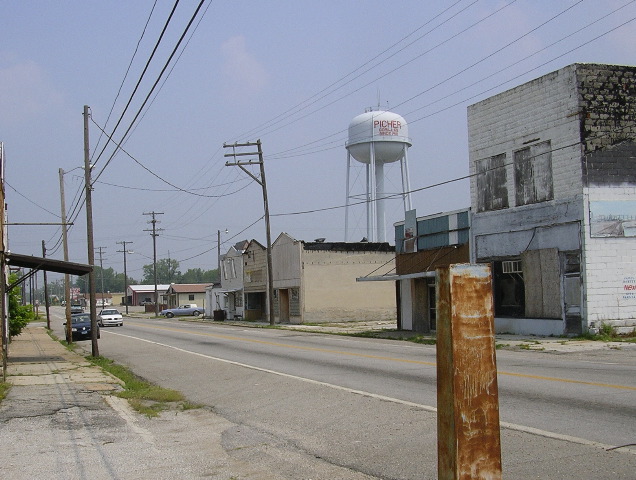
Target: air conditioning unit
[[511, 266]]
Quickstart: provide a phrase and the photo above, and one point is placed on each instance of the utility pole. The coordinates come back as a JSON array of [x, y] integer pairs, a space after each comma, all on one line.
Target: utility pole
[[218, 252], [124, 243], [4, 319], [89, 235], [263, 184], [46, 292], [154, 236], [101, 270], [67, 279]]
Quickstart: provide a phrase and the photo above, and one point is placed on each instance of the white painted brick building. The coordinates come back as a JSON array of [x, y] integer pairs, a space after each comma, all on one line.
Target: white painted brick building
[[553, 196]]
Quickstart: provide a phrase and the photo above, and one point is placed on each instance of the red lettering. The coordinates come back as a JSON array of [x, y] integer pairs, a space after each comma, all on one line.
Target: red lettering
[[629, 287], [387, 124]]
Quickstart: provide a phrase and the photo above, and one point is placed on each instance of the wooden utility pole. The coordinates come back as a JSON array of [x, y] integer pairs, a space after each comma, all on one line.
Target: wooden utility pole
[[261, 181], [67, 277], [124, 243], [101, 269], [89, 235], [468, 430], [4, 320], [154, 236], [46, 291]]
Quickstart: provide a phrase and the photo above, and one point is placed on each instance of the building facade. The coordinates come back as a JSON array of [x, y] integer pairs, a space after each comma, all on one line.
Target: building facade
[[553, 197], [432, 241], [316, 281], [182, 293]]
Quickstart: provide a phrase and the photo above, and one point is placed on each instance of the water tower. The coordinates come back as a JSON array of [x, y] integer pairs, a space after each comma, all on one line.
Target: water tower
[[375, 138]]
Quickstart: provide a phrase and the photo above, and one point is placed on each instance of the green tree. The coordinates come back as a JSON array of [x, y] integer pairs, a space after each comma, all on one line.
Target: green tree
[[167, 272], [198, 275], [19, 315]]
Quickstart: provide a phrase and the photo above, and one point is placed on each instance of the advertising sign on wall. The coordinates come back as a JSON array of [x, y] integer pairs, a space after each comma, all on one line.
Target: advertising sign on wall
[[613, 218]]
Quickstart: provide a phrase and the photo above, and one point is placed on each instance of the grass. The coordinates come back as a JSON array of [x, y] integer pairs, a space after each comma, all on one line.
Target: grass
[[608, 333], [144, 397], [4, 389]]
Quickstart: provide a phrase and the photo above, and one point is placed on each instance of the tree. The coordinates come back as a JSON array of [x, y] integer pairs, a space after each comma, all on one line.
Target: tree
[[167, 272], [19, 315], [112, 281], [197, 275]]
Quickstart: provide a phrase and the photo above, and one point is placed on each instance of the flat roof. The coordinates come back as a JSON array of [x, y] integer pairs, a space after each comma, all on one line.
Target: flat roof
[[48, 264]]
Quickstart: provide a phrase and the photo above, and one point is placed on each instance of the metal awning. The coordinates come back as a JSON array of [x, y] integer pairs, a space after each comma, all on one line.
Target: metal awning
[[48, 264], [395, 278]]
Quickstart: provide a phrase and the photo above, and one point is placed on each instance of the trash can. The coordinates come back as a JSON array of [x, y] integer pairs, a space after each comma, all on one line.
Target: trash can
[[218, 315]]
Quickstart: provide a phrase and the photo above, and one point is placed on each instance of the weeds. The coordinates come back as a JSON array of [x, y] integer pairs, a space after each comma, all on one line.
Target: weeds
[[609, 333], [4, 389], [145, 397]]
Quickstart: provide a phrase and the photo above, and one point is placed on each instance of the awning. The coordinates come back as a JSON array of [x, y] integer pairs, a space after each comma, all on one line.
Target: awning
[[395, 278], [48, 264]]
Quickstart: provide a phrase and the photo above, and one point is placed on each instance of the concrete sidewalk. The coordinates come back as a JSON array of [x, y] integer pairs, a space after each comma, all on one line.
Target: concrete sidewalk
[[59, 422]]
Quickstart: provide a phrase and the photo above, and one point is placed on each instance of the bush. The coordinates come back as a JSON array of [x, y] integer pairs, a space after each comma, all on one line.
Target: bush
[[19, 315]]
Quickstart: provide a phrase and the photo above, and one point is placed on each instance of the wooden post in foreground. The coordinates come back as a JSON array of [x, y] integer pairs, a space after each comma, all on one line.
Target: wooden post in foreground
[[468, 440]]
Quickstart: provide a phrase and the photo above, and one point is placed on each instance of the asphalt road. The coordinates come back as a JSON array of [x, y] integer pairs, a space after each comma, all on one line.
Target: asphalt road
[[369, 404]]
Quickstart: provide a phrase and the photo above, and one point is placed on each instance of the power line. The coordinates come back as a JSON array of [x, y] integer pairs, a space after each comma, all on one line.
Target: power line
[[174, 51]]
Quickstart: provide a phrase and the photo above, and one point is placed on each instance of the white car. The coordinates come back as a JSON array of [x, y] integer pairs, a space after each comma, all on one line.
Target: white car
[[109, 317]]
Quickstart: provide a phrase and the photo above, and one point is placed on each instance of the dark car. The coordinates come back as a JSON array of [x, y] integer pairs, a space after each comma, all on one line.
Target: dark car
[[77, 309], [81, 326]]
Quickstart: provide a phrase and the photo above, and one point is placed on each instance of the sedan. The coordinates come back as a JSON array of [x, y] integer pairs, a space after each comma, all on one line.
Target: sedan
[[110, 316], [77, 309], [81, 326]]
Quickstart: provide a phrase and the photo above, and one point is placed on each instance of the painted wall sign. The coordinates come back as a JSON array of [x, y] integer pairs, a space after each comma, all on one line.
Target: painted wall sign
[[613, 218]]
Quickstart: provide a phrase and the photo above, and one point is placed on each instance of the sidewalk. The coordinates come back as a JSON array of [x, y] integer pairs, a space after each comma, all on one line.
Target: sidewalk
[[57, 423]]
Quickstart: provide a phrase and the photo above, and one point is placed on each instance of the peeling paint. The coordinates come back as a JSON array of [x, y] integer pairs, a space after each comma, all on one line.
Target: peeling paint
[[469, 444]]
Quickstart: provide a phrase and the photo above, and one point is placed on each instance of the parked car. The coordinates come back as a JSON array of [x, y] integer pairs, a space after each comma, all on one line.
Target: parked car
[[77, 309], [181, 310], [146, 302], [81, 326], [110, 316]]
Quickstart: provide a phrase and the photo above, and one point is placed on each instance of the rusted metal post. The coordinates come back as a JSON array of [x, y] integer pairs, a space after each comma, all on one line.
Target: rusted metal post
[[468, 441]]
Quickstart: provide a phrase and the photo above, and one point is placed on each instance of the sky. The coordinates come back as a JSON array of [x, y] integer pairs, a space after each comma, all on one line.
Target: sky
[[291, 74]]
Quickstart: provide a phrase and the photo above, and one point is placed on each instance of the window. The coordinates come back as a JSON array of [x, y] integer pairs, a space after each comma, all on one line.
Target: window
[[509, 291], [492, 192], [191, 296], [229, 270], [533, 174]]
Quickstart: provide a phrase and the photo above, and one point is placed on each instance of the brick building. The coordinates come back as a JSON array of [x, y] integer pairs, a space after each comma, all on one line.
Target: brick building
[[553, 199]]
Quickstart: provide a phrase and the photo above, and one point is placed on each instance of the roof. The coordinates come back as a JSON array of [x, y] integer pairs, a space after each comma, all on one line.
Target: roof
[[48, 264], [188, 287], [349, 246], [148, 288]]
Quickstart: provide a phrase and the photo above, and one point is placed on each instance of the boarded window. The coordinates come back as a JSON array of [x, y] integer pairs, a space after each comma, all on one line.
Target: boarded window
[[541, 271], [492, 192], [533, 174]]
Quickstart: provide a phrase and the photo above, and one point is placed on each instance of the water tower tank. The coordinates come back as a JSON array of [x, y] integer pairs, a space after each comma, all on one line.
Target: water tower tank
[[376, 138], [388, 132]]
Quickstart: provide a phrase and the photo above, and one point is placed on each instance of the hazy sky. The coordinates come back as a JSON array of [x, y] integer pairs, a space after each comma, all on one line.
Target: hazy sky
[[290, 73]]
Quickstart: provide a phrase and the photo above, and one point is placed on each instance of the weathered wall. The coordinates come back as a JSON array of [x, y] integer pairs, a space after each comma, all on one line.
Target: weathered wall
[[608, 130], [610, 268], [286, 253], [607, 98], [588, 113], [331, 292], [255, 268], [540, 110]]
